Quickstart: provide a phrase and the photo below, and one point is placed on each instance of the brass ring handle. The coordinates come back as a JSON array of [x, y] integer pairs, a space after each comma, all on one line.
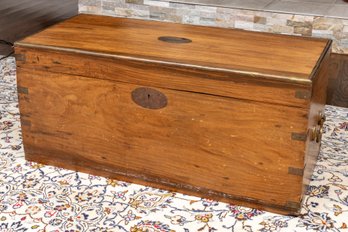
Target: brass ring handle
[[317, 133], [321, 131], [321, 118]]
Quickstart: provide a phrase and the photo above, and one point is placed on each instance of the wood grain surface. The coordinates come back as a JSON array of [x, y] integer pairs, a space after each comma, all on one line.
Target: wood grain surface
[[20, 18], [269, 54], [197, 142], [317, 105], [43, 13], [226, 122], [219, 83]]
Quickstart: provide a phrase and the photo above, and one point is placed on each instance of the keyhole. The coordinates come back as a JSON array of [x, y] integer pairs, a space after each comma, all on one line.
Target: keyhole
[[149, 98]]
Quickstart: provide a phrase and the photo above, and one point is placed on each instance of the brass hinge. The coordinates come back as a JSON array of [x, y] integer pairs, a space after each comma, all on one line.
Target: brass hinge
[[22, 90], [303, 94], [299, 136], [295, 171], [293, 205], [26, 123], [20, 57]]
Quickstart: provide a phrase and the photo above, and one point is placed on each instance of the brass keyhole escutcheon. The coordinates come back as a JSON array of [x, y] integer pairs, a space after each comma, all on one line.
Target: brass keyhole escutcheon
[[149, 98]]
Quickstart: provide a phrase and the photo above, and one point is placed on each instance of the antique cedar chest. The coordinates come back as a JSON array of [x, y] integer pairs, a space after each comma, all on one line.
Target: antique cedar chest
[[219, 113]]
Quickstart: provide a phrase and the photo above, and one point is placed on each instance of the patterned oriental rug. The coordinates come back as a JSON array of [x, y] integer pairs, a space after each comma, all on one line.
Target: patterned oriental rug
[[34, 197]]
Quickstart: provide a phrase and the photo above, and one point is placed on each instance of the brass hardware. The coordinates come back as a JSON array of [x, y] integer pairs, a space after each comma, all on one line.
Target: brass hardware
[[321, 132], [295, 171], [173, 39], [303, 94], [293, 205], [299, 136], [321, 118], [25, 122], [149, 98], [22, 90], [20, 57], [316, 133]]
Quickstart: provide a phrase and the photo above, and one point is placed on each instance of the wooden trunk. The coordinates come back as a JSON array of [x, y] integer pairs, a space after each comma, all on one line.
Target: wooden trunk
[[223, 114]]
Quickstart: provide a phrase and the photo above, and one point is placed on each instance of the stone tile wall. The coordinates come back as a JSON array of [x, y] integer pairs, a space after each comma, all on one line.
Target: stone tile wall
[[255, 20]]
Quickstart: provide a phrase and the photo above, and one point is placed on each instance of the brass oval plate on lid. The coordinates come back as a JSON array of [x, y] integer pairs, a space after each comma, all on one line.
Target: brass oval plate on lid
[[173, 39], [149, 98]]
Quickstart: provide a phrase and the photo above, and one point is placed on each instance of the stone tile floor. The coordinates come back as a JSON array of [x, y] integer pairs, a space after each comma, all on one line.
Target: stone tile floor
[[34, 197]]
